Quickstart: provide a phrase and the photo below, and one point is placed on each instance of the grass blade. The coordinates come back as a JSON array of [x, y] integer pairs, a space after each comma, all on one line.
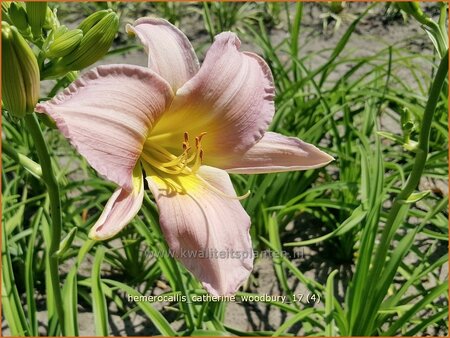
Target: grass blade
[[329, 305], [157, 318], [98, 297]]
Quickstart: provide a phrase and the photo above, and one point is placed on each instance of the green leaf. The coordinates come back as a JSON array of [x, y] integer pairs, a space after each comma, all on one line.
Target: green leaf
[[351, 222], [209, 333], [416, 197], [424, 323], [329, 305], [157, 318], [12, 306], [30, 273], [292, 321], [70, 296], [419, 306], [66, 243], [98, 297]]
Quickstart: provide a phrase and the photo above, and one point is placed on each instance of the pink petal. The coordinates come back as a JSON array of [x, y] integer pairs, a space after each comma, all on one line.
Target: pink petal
[[170, 53], [106, 115], [277, 153], [230, 98], [197, 220], [120, 209]]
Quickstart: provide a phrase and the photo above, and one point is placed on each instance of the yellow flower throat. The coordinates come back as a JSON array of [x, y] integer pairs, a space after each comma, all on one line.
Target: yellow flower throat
[[161, 159]]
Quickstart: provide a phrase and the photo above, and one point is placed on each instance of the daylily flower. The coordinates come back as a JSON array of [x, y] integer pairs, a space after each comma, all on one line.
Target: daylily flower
[[186, 128]]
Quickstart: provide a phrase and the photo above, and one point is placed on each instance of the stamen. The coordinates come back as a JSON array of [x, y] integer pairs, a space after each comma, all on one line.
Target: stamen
[[175, 161], [192, 157], [198, 139], [161, 159], [159, 166], [198, 160], [154, 146]]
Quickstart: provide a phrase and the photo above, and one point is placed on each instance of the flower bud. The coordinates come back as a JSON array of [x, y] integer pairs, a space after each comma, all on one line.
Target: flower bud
[[37, 12], [18, 16], [51, 19], [92, 20], [60, 31], [20, 73], [52, 35], [64, 43], [337, 7], [95, 43]]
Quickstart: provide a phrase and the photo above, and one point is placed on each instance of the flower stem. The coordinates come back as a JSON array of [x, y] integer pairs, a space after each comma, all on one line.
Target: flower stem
[[55, 210], [399, 207], [420, 160]]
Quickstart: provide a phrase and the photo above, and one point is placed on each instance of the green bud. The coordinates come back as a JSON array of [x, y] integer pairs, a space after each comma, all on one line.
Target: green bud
[[37, 12], [51, 19], [408, 126], [52, 35], [60, 31], [20, 75], [66, 243], [407, 122], [94, 45], [337, 7], [92, 20], [65, 43], [413, 9], [18, 16]]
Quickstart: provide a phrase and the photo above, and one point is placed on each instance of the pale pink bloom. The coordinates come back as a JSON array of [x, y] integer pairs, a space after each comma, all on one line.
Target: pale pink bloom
[[185, 127]]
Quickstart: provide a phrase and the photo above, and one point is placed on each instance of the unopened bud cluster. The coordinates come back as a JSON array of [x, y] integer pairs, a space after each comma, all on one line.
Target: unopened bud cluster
[[79, 48], [36, 47]]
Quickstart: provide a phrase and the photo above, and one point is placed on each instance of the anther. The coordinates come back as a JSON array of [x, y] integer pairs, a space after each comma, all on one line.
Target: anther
[[186, 137], [198, 139]]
